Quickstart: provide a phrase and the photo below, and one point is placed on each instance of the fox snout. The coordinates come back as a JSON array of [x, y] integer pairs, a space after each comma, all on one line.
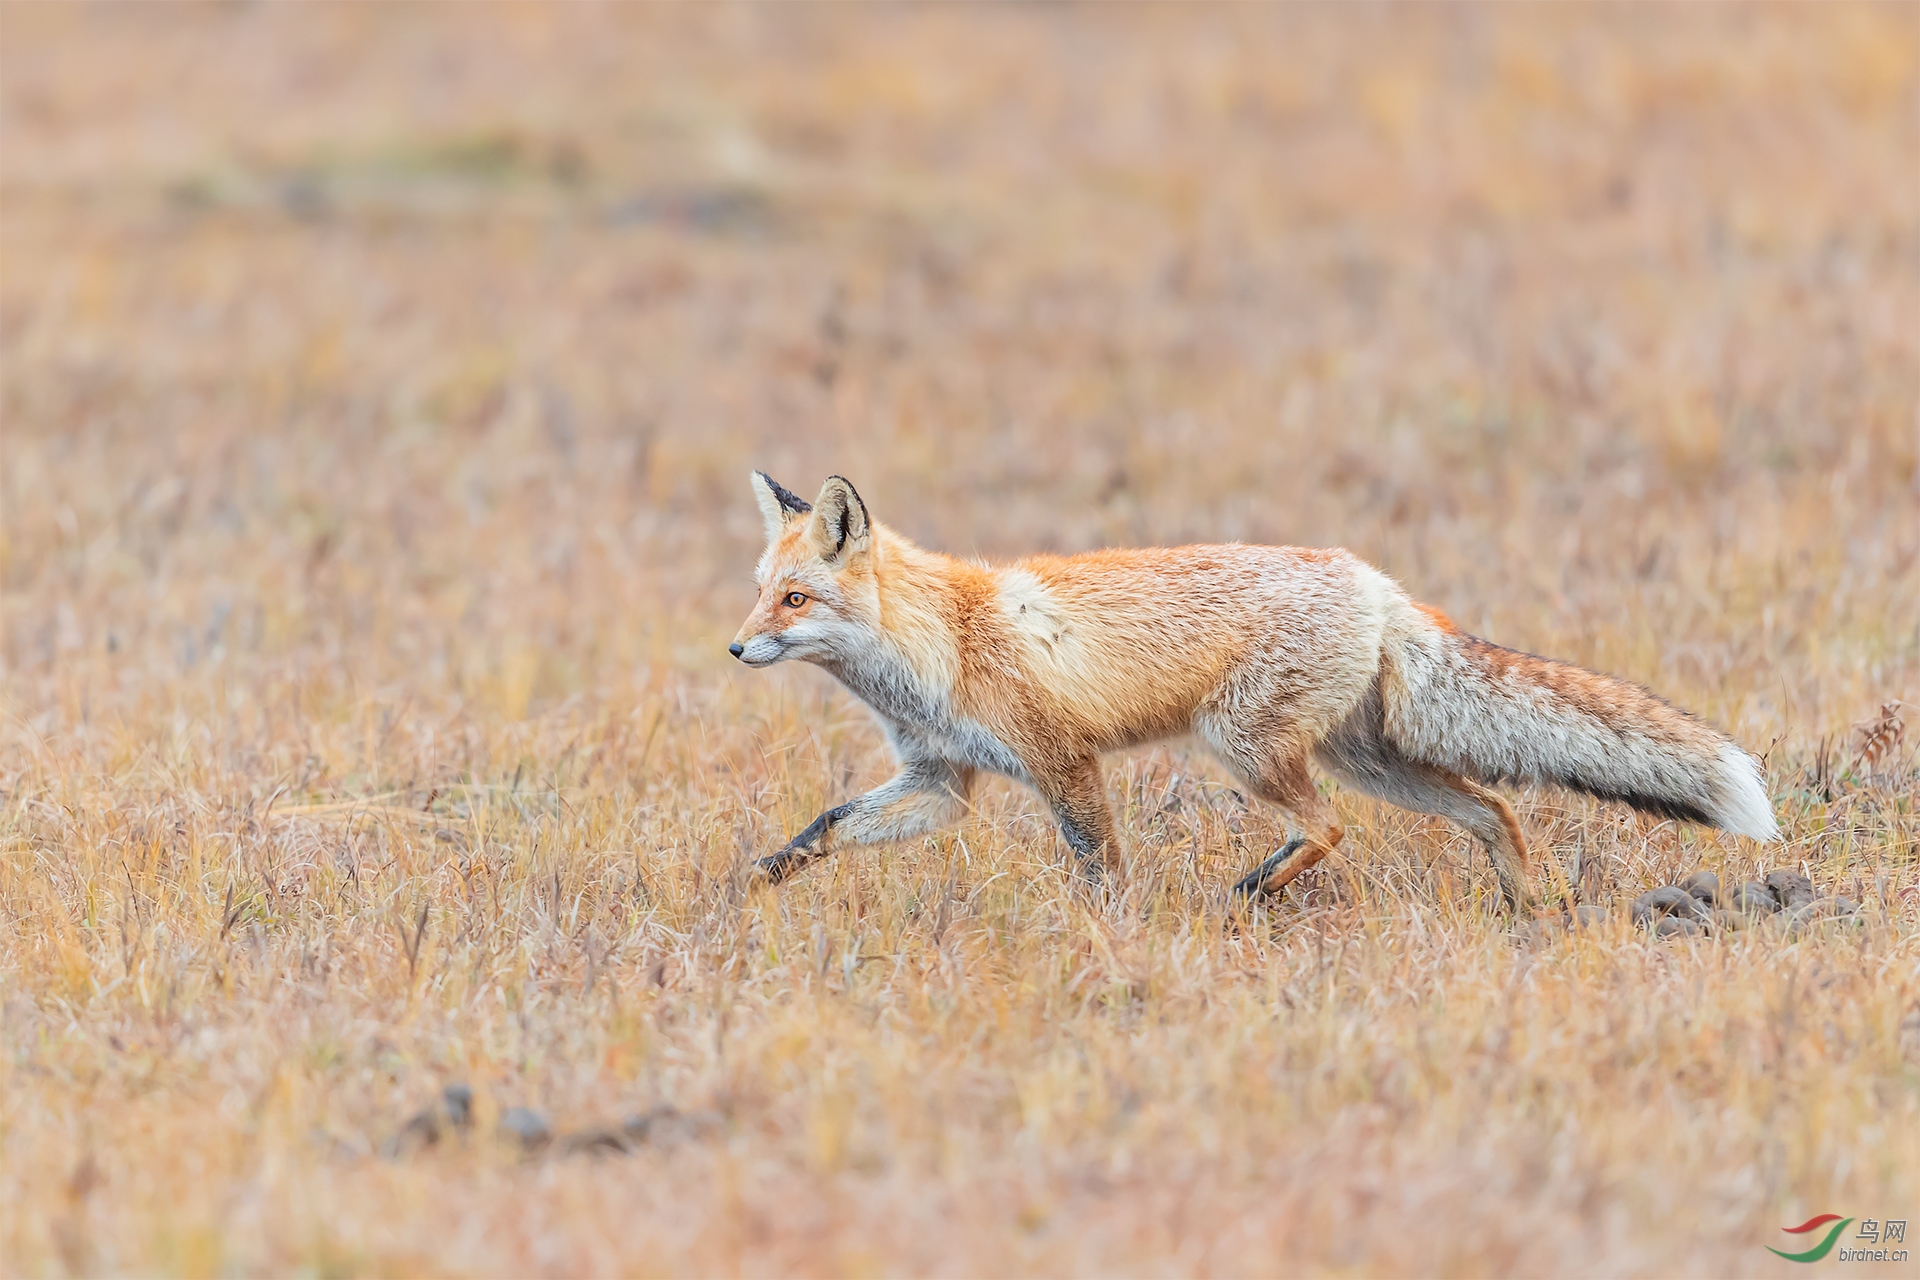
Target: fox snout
[[761, 639], [758, 650]]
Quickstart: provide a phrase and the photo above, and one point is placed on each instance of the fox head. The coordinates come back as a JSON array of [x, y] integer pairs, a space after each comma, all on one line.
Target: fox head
[[817, 590]]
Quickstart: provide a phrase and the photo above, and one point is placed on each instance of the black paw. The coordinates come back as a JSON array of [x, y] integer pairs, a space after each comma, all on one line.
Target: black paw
[[778, 867], [800, 850], [1252, 884]]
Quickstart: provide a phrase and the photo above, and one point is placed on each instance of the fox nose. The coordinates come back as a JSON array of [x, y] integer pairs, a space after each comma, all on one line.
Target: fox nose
[[736, 648]]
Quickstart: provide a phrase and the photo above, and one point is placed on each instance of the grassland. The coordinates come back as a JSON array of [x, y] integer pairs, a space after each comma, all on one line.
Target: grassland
[[379, 385]]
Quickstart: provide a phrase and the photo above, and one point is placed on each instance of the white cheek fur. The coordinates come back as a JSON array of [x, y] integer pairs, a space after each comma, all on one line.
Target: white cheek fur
[[818, 629], [761, 650]]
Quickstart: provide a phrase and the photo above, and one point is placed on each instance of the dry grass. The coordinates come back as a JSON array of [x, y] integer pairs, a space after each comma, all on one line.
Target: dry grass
[[379, 385]]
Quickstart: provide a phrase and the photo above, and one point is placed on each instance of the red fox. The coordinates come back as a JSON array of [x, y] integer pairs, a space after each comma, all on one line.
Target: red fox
[[1271, 656]]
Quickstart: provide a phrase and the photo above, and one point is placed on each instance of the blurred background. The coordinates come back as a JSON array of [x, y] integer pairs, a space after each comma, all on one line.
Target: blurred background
[[378, 387], [390, 346]]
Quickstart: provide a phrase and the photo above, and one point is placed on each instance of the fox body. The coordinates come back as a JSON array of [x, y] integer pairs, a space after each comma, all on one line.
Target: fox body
[[1271, 656]]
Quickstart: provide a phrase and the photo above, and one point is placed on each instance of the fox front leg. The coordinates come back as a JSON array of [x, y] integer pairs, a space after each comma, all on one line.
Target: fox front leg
[[924, 796], [803, 848], [1078, 797]]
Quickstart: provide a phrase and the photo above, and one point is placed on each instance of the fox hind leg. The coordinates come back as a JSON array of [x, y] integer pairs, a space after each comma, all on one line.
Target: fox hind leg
[[1281, 777], [1482, 811], [1499, 831], [1254, 882]]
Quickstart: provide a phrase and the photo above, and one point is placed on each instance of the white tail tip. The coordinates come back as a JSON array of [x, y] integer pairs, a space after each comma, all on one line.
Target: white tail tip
[[1742, 805]]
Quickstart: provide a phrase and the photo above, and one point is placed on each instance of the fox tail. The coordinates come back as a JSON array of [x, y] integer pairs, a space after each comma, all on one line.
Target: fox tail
[[1494, 714]]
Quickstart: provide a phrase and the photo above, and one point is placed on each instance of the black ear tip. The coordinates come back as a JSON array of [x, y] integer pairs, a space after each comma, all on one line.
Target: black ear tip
[[852, 492], [790, 502]]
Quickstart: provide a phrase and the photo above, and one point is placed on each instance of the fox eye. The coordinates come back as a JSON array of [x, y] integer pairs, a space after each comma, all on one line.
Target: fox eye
[[795, 599]]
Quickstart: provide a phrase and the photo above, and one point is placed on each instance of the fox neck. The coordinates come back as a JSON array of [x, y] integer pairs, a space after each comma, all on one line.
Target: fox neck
[[906, 667]]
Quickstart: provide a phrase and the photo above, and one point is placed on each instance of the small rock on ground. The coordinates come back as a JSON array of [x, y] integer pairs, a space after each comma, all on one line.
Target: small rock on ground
[[1790, 888], [525, 1126], [1589, 917], [453, 1111], [1754, 899], [1837, 911], [1665, 901], [596, 1142], [667, 1124], [1703, 885]]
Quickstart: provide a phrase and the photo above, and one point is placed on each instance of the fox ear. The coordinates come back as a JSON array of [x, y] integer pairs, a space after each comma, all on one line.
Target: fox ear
[[777, 504], [840, 526]]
